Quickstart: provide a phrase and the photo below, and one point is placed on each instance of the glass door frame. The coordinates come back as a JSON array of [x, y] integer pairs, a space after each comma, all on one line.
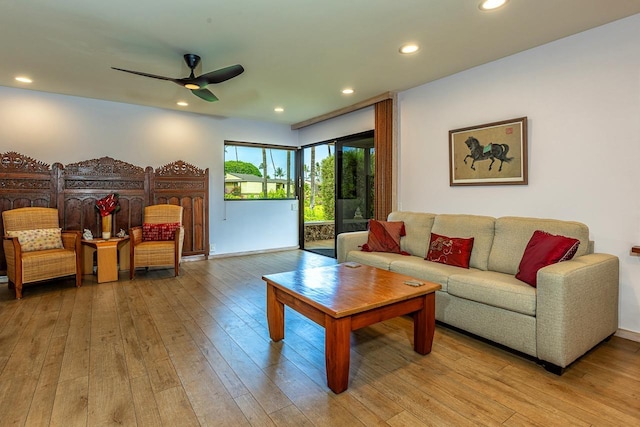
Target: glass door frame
[[337, 181]]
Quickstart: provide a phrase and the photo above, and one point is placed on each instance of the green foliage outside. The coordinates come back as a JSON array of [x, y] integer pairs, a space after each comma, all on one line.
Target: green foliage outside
[[354, 188], [234, 166], [327, 189], [273, 194], [317, 214]]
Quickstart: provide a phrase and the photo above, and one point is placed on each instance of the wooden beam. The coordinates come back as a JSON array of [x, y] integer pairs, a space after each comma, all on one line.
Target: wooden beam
[[355, 107]]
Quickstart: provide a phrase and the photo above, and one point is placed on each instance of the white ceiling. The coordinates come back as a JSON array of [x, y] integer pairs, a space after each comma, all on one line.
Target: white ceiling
[[298, 54]]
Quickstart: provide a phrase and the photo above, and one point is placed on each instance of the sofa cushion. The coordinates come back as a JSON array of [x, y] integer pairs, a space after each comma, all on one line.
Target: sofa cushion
[[418, 227], [374, 259], [495, 289], [513, 233], [159, 232], [450, 250], [426, 270], [384, 236], [544, 249], [481, 228]]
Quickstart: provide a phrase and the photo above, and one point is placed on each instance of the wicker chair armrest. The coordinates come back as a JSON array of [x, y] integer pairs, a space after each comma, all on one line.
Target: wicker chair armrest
[[135, 235], [71, 239], [11, 244]]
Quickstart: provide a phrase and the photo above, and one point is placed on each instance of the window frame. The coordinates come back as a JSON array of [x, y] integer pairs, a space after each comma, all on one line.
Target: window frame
[[292, 178]]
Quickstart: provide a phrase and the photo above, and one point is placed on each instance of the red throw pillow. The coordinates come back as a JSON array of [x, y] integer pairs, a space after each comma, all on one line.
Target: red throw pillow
[[384, 236], [450, 250], [159, 232], [544, 249]]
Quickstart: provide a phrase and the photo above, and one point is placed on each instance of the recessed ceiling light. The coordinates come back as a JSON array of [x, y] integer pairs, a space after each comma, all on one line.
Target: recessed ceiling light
[[491, 4], [278, 109], [182, 104], [409, 48], [23, 79], [347, 91]]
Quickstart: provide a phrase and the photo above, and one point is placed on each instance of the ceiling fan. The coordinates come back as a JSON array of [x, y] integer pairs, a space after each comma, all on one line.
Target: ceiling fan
[[198, 85]]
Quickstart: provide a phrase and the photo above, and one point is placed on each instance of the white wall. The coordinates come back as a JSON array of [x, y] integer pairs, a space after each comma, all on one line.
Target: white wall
[[58, 128], [348, 124], [582, 98]]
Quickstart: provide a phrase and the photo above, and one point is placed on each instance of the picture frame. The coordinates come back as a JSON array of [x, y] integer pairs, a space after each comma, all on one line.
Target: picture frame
[[489, 154]]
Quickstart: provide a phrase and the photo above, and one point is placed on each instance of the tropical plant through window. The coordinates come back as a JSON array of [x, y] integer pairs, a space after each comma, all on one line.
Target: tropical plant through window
[[253, 171], [319, 183]]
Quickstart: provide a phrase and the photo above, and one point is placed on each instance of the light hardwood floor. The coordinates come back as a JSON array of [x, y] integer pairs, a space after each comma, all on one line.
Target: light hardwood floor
[[195, 350]]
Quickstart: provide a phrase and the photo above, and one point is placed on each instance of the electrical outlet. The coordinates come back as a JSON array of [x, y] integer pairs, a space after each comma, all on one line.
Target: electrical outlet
[[294, 206], [213, 247]]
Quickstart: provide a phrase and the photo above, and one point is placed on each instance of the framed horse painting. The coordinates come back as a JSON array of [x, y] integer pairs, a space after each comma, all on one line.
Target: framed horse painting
[[490, 154]]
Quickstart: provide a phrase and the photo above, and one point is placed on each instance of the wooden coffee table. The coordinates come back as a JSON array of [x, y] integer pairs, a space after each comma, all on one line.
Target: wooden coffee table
[[343, 299]]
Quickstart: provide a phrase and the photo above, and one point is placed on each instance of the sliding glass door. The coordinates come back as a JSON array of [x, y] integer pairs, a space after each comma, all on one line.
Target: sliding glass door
[[354, 182], [337, 193]]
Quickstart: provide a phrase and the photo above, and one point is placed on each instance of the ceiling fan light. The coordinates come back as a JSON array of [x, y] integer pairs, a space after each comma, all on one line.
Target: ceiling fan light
[[192, 86]]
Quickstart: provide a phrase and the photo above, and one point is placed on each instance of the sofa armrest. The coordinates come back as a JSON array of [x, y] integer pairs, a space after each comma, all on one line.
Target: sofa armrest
[[577, 306], [350, 242]]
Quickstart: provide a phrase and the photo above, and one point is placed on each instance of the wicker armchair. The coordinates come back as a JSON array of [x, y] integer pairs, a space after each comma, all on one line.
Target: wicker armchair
[[153, 252], [32, 260]]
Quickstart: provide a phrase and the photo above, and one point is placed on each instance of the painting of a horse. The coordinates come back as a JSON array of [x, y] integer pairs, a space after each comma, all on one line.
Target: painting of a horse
[[492, 151]]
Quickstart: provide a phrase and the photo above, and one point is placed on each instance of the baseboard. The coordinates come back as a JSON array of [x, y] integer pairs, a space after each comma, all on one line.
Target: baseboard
[[628, 335], [264, 251]]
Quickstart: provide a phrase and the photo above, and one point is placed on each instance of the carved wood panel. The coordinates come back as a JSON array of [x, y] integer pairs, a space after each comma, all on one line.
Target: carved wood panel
[[24, 182], [180, 183], [86, 182], [75, 188]]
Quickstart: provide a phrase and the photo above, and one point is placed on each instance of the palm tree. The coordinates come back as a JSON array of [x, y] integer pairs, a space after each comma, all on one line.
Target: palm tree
[[264, 175], [312, 192], [279, 173], [272, 162], [288, 173]]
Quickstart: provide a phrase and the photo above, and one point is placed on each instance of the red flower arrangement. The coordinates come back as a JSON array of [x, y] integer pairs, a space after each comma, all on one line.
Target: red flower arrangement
[[108, 205]]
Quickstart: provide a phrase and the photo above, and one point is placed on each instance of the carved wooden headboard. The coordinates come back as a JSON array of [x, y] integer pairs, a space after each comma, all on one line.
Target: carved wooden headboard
[[74, 189]]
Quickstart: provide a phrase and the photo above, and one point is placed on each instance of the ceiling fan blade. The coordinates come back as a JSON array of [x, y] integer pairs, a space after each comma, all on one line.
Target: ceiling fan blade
[[153, 76], [205, 94], [221, 75]]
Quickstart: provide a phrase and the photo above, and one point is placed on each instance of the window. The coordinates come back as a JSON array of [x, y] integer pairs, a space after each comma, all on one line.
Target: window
[[256, 171]]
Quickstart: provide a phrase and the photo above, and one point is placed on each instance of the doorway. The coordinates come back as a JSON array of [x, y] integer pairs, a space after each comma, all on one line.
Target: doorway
[[338, 188]]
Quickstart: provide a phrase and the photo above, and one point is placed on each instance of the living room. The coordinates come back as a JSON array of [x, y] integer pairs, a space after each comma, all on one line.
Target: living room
[[580, 95]]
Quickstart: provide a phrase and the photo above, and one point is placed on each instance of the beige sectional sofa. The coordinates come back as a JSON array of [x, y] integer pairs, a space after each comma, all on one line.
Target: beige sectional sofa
[[573, 308]]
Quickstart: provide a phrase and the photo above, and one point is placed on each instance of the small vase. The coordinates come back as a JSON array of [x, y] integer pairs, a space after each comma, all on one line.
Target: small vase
[[106, 226]]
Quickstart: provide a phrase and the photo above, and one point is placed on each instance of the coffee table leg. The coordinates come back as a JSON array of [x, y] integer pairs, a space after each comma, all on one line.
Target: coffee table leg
[[275, 314], [424, 325], [337, 348]]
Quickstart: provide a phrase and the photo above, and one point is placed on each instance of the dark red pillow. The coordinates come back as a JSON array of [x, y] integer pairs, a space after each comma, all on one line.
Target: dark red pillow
[[159, 232], [450, 250], [544, 249], [384, 236]]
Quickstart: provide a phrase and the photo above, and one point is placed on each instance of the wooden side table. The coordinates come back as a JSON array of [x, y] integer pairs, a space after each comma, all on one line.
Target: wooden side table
[[107, 257]]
